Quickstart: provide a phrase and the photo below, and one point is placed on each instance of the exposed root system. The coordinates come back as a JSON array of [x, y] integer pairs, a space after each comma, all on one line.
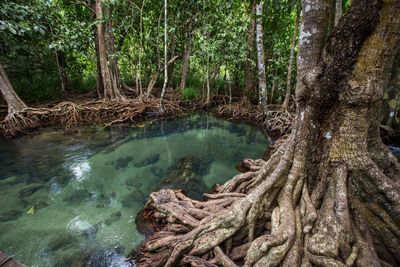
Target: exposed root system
[[70, 114], [107, 113], [267, 216], [274, 120]]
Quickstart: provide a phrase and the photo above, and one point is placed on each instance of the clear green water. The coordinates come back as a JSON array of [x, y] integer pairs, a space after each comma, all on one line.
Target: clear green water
[[68, 199]]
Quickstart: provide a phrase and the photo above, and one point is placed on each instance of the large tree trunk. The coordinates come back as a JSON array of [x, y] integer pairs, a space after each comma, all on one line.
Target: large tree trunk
[[329, 194], [14, 103], [285, 104], [186, 59], [110, 79], [262, 79]]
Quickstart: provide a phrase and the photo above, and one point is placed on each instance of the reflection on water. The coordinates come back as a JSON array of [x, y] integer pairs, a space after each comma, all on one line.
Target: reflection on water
[[71, 200]]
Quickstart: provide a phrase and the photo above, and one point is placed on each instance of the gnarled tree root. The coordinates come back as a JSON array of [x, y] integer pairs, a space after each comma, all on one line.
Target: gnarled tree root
[[72, 114], [270, 216]]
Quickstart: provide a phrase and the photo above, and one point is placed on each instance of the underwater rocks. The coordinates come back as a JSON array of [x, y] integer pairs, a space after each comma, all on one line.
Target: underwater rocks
[[157, 171], [123, 162], [186, 174], [10, 215], [62, 241], [13, 180], [135, 196], [96, 257], [134, 182], [82, 227], [115, 216], [149, 160], [77, 196], [106, 199], [29, 190]]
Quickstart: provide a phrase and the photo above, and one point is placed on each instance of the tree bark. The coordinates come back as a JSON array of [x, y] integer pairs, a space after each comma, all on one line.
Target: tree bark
[[186, 58], [171, 68], [62, 71], [285, 103], [338, 11], [165, 56], [392, 97], [14, 103], [250, 54], [262, 79], [154, 78], [99, 79], [110, 79], [329, 195], [208, 79]]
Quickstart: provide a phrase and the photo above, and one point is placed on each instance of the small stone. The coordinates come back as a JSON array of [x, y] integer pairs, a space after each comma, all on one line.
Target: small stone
[[134, 182], [149, 160], [29, 190], [133, 198], [10, 215], [62, 241], [123, 162], [115, 216], [78, 196], [157, 171]]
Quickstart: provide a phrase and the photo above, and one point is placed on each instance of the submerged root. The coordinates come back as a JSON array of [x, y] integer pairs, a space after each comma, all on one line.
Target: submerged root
[[265, 216]]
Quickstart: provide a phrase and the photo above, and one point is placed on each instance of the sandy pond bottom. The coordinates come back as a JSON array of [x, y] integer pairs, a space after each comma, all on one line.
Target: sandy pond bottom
[[71, 200]]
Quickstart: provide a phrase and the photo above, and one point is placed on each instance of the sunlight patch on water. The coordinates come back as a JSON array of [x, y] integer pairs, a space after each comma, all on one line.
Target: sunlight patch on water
[[80, 170]]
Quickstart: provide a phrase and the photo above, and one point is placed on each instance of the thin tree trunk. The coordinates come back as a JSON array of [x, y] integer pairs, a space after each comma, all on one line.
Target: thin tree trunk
[[285, 104], [208, 80], [338, 11], [262, 79], [273, 89], [60, 58], [186, 58], [165, 56], [154, 78], [248, 94], [171, 68], [141, 49], [108, 64], [14, 103]]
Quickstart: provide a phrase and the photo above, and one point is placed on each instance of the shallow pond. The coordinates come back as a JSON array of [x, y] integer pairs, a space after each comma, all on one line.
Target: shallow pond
[[68, 199]]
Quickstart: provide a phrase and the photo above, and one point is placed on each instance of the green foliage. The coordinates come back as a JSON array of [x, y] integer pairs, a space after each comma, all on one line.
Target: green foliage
[[33, 32], [83, 84], [190, 93], [39, 87]]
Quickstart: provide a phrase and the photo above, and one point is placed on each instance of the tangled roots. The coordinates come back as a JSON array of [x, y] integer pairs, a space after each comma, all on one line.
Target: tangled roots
[[267, 216], [72, 114], [274, 119]]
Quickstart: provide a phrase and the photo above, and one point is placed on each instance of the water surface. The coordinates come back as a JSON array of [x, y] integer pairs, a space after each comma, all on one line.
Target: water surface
[[71, 199]]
